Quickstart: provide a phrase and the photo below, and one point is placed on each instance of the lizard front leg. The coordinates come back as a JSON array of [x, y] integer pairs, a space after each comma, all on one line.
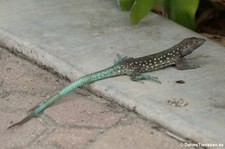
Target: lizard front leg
[[182, 65]]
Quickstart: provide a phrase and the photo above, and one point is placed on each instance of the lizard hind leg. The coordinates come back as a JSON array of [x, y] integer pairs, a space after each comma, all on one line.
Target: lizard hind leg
[[138, 77], [119, 59]]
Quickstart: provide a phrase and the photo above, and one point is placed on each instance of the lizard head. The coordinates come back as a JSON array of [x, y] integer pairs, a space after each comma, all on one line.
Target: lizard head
[[190, 44]]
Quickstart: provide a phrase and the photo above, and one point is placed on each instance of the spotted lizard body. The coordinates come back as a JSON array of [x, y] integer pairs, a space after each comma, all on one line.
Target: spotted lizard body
[[132, 67]]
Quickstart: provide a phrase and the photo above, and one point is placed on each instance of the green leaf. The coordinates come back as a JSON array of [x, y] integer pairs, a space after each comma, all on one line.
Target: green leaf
[[125, 4], [140, 9], [183, 12]]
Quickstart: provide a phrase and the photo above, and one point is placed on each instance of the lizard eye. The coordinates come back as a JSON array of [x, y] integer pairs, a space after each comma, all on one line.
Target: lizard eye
[[195, 41]]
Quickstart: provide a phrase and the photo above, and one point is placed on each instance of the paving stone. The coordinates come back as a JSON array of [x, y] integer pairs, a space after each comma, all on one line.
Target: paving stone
[[41, 147], [137, 135], [23, 86], [71, 138], [18, 136], [76, 110]]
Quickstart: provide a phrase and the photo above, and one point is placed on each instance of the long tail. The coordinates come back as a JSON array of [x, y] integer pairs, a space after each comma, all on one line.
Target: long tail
[[105, 73]]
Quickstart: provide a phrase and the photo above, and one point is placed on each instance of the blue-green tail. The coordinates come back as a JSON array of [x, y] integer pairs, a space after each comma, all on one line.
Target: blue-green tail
[[106, 73]]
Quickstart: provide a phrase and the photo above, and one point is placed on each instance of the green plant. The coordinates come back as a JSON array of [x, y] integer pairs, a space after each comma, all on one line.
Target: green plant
[[180, 11]]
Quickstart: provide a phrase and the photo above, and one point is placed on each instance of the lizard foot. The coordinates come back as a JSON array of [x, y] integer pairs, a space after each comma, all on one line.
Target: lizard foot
[[142, 77]]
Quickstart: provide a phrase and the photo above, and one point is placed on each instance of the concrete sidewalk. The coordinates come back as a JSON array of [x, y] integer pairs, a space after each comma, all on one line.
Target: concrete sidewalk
[[78, 37]]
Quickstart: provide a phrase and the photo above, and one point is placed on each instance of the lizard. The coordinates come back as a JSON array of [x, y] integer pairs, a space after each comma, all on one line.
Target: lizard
[[133, 67]]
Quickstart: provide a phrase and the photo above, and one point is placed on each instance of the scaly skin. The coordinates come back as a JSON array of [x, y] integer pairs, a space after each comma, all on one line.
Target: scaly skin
[[132, 67]]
